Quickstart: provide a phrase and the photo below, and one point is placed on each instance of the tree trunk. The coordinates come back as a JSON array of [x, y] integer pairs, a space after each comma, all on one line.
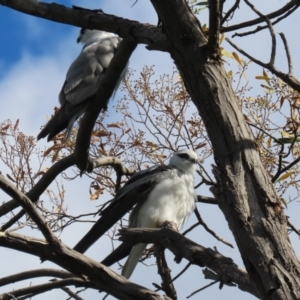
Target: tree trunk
[[245, 192]]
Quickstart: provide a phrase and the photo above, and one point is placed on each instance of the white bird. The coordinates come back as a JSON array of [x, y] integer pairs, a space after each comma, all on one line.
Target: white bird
[[83, 79], [161, 193]]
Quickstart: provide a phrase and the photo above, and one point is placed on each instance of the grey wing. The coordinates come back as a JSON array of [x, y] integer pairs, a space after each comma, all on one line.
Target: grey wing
[[82, 81], [135, 190], [85, 73]]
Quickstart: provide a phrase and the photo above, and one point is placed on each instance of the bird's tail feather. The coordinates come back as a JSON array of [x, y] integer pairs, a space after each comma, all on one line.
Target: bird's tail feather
[[132, 260]]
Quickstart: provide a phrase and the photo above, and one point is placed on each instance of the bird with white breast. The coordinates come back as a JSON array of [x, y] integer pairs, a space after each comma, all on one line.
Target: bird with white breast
[[160, 193]]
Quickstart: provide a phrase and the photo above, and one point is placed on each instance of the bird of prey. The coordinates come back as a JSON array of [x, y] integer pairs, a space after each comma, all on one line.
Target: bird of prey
[[83, 79], [161, 193]]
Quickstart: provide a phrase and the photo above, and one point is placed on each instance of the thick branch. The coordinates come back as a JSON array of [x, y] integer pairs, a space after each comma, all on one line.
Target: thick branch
[[102, 277], [100, 100], [141, 33], [194, 253]]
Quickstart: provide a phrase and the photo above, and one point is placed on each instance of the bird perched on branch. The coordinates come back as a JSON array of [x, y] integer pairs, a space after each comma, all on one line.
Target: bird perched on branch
[[83, 80], [161, 193]]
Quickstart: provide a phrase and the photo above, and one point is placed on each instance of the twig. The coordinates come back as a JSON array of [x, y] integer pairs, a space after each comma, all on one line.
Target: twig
[[191, 228], [30, 209], [285, 169], [265, 132], [35, 273], [41, 288], [259, 28], [41, 185], [297, 231], [71, 293], [288, 54], [271, 29], [209, 230], [230, 11], [288, 79], [177, 276], [203, 288], [117, 164], [207, 200], [272, 15]]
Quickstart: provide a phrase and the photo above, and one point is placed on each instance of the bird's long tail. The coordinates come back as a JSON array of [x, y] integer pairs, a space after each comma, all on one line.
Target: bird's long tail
[[132, 260]]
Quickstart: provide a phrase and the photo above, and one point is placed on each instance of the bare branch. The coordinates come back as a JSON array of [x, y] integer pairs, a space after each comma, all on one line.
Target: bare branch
[[285, 169], [194, 253], [273, 51], [287, 78], [207, 200], [71, 293], [79, 265], [259, 28], [209, 230], [41, 186], [282, 10], [34, 273], [41, 288], [288, 54], [116, 163], [165, 273], [214, 27], [230, 11], [30, 209], [141, 33], [201, 289]]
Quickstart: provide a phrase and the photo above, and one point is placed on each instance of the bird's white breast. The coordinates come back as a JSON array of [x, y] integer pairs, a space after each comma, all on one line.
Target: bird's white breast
[[172, 199]]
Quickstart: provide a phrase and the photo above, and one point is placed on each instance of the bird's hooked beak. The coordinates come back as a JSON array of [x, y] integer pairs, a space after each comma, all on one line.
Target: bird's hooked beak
[[194, 160]]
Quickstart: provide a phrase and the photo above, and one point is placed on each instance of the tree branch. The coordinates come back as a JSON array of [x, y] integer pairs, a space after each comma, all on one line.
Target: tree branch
[[33, 274], [230, 11], [259, 28], [140, 33], [102, 277], [271, 29], [282, 10], [194, 253], [100, 100], [287, 78], [165, 273], [41, 185], [214, 27], [288, 54], [117, 164], [30, 209], [42, 288]]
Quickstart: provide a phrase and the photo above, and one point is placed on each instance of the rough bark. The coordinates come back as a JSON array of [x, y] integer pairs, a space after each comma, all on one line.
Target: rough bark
[[245, 192]]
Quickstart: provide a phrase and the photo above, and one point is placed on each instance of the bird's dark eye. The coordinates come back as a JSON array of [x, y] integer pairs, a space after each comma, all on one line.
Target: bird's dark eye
[[184, 156]]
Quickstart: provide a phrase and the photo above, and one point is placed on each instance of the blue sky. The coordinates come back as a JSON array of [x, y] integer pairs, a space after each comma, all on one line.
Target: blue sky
[[34, 57]]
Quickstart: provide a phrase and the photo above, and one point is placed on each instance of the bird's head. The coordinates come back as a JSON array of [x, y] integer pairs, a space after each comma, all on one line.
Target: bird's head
[[88, 36], [185, 161]]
